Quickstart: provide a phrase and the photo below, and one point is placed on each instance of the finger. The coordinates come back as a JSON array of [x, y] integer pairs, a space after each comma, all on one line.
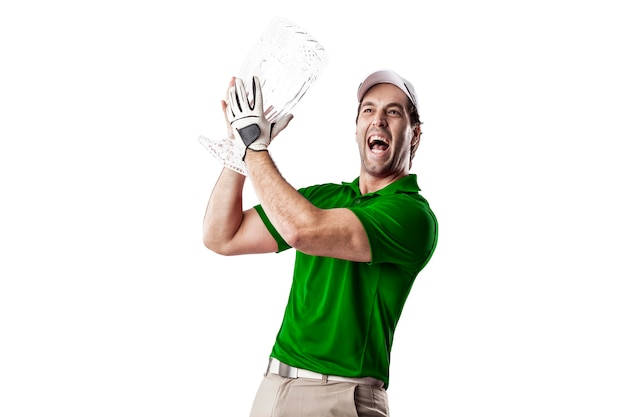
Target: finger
[[230, 84], [233, 101], [242, 95], [257, 94], [225, 109], [281, 123], [227, 112]]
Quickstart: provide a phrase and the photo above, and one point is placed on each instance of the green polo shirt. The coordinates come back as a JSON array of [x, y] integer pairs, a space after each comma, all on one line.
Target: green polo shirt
[[341, 315]]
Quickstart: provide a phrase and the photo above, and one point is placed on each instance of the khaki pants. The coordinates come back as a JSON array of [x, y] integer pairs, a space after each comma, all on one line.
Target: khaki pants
[[301, 397]]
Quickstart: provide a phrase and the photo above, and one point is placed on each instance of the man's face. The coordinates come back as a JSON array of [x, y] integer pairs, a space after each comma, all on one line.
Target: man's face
[[384, 132]]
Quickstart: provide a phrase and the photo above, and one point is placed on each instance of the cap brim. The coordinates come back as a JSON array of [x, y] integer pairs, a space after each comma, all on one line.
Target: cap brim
[[387, 77]]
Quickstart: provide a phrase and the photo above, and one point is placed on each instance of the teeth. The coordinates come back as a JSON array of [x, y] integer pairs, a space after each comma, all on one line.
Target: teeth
[[373, 139]]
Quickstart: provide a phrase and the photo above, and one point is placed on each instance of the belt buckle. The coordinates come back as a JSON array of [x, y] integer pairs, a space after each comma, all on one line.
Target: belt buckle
[[287, 371]]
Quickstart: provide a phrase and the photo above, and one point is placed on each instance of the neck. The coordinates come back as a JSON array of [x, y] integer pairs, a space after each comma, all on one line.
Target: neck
[[369, 183]]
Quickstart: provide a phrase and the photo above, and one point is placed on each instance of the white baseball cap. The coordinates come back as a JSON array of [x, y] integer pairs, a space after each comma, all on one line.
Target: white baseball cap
[[387, 77]]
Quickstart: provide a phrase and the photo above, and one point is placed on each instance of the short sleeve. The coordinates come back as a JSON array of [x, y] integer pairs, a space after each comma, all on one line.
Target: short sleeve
[[401, 229], [282, 245]]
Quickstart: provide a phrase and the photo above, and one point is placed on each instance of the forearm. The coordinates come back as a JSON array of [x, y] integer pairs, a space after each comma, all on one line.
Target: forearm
[[305, 227], [334, 233], [290, 213], [224, 212]]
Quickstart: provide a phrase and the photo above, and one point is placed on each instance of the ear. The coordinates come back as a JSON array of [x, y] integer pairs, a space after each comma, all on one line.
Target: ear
[[417, 134]]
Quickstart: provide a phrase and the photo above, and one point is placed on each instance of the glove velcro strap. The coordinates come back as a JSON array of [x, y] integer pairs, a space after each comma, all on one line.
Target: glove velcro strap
[[249, 134]]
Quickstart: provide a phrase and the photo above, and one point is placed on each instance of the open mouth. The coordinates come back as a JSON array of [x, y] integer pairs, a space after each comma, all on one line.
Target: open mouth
[[378, 144]]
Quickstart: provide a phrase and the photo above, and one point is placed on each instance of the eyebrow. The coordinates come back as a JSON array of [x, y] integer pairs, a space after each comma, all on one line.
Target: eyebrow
[[392, 104]]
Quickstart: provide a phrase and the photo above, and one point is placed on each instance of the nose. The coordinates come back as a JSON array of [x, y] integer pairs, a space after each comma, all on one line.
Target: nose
[[379, 119]]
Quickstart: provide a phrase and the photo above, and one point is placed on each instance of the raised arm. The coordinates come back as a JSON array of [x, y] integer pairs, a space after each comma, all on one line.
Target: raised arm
[[335, 233], [227, 229]]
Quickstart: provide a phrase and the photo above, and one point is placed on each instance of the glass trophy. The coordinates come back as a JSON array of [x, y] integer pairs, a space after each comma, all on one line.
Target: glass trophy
[[287, 60]]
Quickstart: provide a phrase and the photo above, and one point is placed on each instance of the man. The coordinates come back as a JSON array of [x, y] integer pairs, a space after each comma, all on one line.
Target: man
[[359, 246]]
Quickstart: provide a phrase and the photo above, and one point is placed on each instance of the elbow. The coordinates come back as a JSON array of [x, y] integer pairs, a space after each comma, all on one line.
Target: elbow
[[300, 235], [212, 246], [294, 238], [217, 247]]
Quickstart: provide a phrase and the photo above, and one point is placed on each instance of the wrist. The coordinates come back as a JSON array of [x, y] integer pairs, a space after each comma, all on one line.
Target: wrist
[[252, 155], [258, 146]]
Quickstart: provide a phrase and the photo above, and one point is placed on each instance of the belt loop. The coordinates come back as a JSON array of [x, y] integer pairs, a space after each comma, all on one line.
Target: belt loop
[[324, 379], [267, 371]]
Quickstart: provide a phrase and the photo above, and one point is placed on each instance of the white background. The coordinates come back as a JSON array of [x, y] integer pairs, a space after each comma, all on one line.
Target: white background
[[111, 306]]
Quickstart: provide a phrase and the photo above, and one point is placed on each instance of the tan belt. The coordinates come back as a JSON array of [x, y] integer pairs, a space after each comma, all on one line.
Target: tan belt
[[277, 367]]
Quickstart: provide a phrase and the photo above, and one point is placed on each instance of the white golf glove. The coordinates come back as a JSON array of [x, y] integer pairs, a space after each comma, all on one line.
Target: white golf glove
[[248, 119]]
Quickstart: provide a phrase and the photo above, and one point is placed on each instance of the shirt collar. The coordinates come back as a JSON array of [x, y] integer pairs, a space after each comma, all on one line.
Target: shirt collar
[[404, 185]]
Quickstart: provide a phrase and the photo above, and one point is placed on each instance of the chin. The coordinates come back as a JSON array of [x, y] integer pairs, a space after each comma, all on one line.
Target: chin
[[376, 169]]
